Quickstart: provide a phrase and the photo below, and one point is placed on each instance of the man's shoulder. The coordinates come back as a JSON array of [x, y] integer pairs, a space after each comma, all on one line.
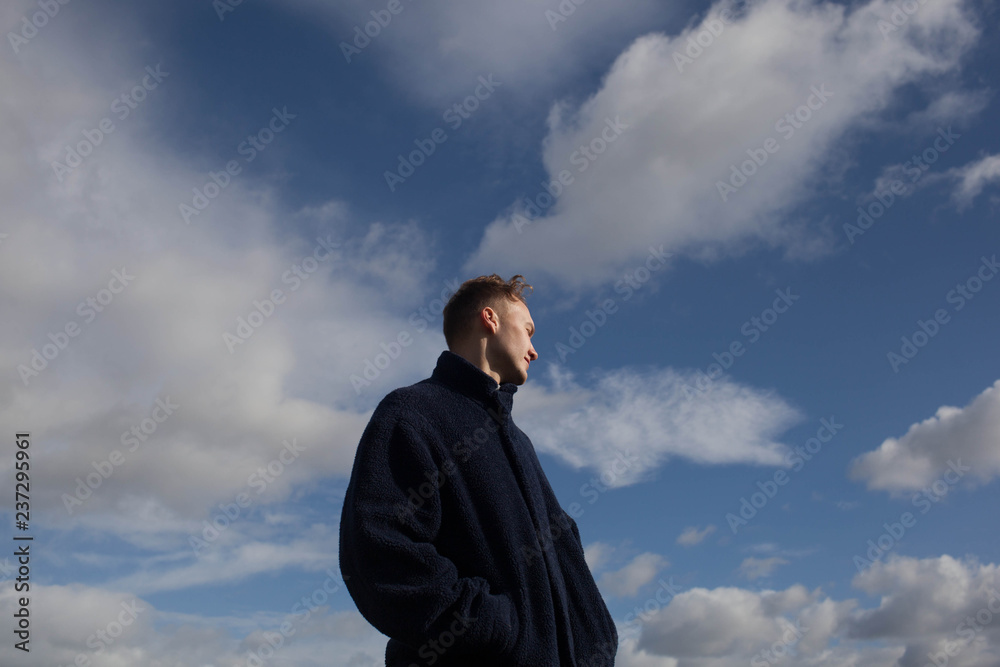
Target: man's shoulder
[[415, 399], [419, 391], [426, 409]]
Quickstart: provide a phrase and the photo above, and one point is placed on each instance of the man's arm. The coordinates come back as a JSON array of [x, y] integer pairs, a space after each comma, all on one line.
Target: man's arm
[[401, 584]]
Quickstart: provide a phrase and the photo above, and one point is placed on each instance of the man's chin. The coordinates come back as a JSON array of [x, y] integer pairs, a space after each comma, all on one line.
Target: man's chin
[[520, 379]]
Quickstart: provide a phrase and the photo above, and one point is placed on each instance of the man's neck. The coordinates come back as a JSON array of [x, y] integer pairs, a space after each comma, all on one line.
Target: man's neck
[[477, 357]]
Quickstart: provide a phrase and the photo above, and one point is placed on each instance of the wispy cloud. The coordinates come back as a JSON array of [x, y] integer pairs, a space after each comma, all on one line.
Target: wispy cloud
[[692, 535]]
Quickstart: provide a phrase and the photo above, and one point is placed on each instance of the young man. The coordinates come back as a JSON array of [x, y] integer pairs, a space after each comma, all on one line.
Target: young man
[[452, 542]]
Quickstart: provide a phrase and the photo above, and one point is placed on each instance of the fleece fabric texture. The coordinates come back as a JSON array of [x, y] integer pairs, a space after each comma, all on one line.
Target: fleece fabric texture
[[452, 542]]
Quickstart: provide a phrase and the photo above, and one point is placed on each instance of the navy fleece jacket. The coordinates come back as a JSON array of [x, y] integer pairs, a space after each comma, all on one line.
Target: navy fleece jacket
[[452, 542]]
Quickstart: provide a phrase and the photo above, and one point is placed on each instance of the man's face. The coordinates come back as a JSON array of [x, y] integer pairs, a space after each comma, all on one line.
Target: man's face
[[510, 351]]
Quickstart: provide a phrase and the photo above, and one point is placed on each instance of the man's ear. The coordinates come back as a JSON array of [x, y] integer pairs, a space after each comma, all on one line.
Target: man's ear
[[490, 318]]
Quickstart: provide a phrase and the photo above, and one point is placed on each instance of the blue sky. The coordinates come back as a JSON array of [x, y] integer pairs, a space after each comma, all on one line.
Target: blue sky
[[201, 253]]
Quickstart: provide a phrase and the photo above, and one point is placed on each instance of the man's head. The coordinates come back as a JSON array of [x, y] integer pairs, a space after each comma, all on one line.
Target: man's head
[[487, 322]]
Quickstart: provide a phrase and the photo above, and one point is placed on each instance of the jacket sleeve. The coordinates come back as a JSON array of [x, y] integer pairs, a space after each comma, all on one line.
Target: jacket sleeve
[[401, 584]]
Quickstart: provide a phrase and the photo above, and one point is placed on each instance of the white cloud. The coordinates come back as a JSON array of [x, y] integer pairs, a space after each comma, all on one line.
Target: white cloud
[[691, 535], [77, 620], [722, 622], [953, 437], [755, 568], [926, 605], [950, 106], [238, 558], [974, 177], [657, 183], [772, 549], [631, 421], [435, 49], [637, 573], [922, 595], [162, 334], [967, 181], [597, 554]]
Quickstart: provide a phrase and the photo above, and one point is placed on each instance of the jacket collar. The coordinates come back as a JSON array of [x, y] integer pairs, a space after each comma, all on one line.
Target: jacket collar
[[464, 377]]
